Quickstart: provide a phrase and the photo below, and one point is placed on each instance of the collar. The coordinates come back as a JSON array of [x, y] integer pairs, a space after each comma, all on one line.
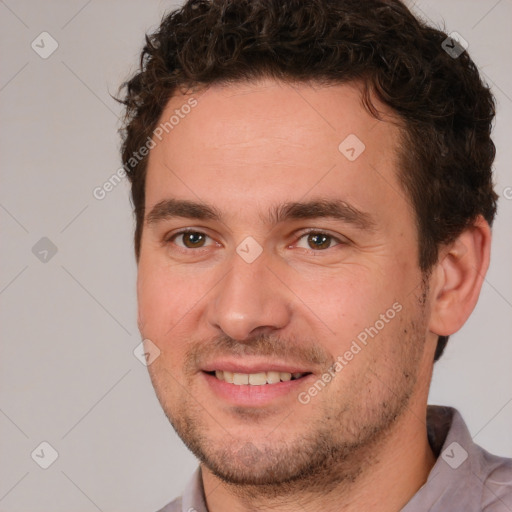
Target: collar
[[458, 480]]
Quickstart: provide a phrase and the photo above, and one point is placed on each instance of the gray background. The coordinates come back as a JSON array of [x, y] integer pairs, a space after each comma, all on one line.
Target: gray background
[[68, 375]]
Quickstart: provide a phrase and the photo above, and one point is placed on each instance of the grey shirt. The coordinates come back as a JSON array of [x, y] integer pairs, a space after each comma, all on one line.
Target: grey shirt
[[465, 477]]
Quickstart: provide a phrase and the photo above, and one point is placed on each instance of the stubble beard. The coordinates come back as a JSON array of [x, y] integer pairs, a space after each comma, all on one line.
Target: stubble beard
[[336, 446]]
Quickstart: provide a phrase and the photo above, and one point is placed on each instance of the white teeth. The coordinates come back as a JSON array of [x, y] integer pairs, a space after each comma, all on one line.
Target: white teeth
[[273, 377], [256, 379], [240, 378]]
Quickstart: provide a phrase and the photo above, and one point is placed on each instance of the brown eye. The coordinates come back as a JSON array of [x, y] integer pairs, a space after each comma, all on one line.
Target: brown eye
[[319, 241], [190, 239]]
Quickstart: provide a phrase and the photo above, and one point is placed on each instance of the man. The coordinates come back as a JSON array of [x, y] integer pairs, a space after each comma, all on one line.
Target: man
[[313, 195]]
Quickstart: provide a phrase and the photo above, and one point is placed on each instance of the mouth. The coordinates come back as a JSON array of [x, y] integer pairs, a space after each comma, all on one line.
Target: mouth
[[258, 388], [256, 379]]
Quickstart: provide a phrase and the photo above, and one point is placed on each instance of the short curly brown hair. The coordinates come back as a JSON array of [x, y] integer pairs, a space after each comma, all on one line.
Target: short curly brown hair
[[446, 110]]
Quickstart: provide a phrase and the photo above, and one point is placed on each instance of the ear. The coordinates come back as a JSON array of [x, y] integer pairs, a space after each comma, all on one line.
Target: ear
[[457, 278]]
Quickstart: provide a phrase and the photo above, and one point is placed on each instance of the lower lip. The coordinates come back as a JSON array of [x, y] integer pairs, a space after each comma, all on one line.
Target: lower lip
[[250, 395]]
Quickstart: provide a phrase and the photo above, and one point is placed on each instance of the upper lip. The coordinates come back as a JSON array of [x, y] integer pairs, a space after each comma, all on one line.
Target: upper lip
[[257, 366]]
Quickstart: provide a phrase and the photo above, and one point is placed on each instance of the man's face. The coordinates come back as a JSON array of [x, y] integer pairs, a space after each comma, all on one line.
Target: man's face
[[265, 288]]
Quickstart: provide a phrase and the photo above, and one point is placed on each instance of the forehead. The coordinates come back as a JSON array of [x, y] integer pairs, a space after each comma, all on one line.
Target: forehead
[[252, 113], [246, 144]]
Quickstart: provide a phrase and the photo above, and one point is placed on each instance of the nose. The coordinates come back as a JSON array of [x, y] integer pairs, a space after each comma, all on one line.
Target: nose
[[250, 300]]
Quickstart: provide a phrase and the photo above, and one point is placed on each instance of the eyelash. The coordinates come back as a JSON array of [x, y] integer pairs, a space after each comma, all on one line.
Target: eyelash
[[171, 238]]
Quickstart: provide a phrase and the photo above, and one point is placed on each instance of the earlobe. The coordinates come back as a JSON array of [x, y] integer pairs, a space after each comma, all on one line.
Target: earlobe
[[458, 277]]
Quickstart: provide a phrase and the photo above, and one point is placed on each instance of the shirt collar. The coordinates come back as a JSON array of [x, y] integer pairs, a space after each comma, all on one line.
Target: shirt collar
[[193, 499], [453, 481]]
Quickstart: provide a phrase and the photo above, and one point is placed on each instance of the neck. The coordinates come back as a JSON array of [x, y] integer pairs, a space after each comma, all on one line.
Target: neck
[[391, 473]]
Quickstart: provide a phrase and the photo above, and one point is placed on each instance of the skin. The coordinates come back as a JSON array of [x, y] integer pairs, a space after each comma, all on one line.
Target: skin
[[361, 442]]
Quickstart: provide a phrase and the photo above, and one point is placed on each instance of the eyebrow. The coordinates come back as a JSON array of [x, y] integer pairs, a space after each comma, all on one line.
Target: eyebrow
[[313, 209]]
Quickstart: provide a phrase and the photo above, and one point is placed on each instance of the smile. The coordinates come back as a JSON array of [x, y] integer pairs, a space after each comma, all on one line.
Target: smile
[[256, 379]]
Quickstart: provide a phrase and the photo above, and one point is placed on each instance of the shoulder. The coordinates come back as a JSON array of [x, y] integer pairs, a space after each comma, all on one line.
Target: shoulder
[[497, 483], [192, 498], [173, 506]]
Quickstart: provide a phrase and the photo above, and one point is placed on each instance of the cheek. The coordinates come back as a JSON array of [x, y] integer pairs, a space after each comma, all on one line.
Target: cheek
[[162, 309], [168, 297], [364, 312], [350, 299], [158, 296]]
